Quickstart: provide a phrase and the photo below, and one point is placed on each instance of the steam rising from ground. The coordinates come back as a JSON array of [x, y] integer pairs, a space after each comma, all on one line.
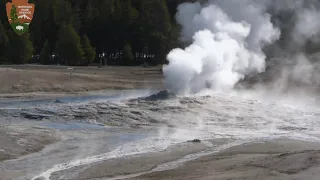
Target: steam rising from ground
[[230, 40]]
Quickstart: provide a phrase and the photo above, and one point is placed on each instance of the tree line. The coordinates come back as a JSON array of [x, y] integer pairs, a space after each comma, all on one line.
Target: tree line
[[81, 32]]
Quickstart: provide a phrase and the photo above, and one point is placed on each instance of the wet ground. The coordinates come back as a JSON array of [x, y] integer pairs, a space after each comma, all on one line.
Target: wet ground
[[91, 130]]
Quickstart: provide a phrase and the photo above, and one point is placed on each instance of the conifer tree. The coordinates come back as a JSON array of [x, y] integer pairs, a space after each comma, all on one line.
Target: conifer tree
[[89, 51], [45, 53], [128, 56], [4, 40], [68, 46], [19, 49]]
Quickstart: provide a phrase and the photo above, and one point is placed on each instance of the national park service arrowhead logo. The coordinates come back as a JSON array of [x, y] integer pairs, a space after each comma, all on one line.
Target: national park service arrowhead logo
[[20, 14]]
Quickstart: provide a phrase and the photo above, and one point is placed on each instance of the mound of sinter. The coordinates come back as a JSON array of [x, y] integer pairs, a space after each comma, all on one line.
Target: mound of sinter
[[162, 95]]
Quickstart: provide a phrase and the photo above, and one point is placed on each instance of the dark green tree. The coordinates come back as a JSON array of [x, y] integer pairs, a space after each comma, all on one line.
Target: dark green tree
[[62, 12], [89, 51], [45, 55], [19, 49], [127, 54], [4, 40], [90, 13], [68, 46], [43, 27], [156, 28], [129, 13]]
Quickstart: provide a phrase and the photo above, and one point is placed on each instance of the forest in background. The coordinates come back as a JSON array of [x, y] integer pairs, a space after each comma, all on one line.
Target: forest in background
[[78, 32], [127, 32]]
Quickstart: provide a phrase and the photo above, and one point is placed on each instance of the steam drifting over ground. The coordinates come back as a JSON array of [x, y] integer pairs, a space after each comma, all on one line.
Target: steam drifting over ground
[[232, 40]]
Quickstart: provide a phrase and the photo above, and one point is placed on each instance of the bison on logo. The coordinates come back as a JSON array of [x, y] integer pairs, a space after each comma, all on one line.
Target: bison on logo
[[20, 14]]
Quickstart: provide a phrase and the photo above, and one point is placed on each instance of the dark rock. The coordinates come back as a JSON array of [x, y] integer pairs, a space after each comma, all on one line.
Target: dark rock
[[58, 101], [162, 95], [34, 116], [195, 141]]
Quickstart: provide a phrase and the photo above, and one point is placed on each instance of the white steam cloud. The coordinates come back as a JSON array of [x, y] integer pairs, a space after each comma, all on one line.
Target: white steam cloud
[[227, 40], [307, 26]]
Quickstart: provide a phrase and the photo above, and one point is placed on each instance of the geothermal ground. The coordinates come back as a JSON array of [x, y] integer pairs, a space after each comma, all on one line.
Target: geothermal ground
[[34, 81], [139, 133]]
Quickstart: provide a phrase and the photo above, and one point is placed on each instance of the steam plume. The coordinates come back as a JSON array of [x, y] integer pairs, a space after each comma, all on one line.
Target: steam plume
[[230, 40], [227, 40]]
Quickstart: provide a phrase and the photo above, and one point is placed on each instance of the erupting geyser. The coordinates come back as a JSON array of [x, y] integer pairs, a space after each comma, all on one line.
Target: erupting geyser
[[226, 39]]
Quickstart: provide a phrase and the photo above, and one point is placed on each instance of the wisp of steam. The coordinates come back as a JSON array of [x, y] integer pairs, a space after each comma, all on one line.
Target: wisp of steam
[[226, 39]]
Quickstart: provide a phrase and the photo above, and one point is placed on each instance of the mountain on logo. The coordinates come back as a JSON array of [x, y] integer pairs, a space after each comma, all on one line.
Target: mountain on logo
[[24, 17]]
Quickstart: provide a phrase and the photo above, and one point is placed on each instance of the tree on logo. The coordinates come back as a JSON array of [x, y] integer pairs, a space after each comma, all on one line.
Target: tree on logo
[[13, 14]]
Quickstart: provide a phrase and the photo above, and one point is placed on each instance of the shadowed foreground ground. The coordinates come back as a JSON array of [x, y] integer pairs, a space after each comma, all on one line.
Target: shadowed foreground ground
[[273, 160]]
